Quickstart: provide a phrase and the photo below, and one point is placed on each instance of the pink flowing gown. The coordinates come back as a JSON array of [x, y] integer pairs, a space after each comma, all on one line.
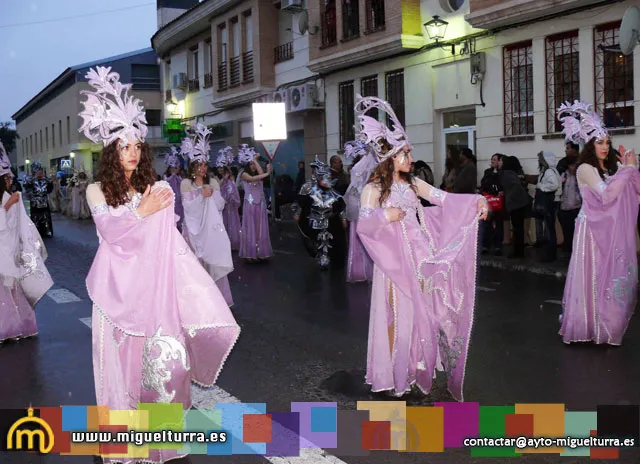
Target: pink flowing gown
[[159, 321], [230, 214], [601, 286], [424, 287]]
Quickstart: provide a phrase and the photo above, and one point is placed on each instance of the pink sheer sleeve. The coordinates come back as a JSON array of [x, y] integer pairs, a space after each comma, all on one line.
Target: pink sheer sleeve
[[609, 192], [113, 228]]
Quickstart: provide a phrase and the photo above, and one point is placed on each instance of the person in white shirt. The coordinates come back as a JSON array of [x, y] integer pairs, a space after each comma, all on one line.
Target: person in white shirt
[[548, 196]]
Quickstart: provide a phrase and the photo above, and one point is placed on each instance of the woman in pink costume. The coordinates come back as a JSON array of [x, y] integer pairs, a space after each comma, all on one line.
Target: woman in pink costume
[[229, 192], [600, 290], [255, 243], [359, 263], [424, 278], [203, 225], [24, 279], [159, 321], [172, 176]]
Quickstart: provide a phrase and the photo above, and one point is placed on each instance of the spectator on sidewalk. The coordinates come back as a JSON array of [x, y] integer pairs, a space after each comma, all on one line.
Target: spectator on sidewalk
[[424, 172], [517, 202], [452, 165], [570, 205], [338, 174], [491, 189], [467, 179], [572, 153], [548, 192], [300, 178]]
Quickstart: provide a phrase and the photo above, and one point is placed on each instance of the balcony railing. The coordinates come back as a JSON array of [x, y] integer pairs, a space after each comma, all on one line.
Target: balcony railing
[[282, 53], [247, 66], [194, 85], [329, 29], [222, 77], [234, 73], [167, 95], [208, 80]]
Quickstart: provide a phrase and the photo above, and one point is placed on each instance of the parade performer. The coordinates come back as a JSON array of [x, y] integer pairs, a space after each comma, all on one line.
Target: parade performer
[[255, 243], [24, 279], [321, 217], [55, 199], [359, 263], [424, 282], [159, 321], [229, 192], [203, 226], [80, 205], [600, 290], [172, 176], [40, 187]]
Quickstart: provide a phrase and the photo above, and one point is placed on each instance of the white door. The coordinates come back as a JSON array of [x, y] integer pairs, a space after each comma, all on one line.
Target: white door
[[459, 131]]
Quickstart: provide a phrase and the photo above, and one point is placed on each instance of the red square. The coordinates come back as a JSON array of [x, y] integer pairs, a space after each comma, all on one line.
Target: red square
[[518, 425], [113, 448], [603, 453], [256, 428], [376, 435], [53, 417]]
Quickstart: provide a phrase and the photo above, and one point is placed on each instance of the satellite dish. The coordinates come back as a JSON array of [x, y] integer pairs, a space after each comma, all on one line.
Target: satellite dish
[[303, 22], [630, 30]]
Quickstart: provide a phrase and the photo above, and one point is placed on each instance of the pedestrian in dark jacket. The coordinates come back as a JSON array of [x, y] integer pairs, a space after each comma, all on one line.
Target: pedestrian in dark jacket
[[517, 202], [491, 186], [467, 179]]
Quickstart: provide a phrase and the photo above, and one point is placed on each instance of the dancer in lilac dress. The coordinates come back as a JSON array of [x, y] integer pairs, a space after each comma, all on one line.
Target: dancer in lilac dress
[[255, 243], [172, 176], [159, 321], [231, 196], [601, 286], [24, 279], [424, 278], [203, 225], [359, 263]]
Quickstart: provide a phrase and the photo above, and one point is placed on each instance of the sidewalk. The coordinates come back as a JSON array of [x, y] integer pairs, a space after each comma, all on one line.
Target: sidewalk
[[529, 263]]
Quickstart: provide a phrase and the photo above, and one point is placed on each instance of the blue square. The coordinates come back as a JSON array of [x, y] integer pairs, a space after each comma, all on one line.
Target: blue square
[[323, 420], [74, 418], [219, 449]]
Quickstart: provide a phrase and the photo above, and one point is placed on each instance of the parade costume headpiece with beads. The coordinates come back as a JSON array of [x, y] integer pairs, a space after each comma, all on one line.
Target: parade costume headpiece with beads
[[579, 123], [110, 113], [225, 157], [196, 146], [246, 154], [374, 133], [172, 159], [5, 162]]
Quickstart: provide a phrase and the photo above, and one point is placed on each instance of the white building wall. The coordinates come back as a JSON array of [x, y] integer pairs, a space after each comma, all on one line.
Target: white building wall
[[436, 82]]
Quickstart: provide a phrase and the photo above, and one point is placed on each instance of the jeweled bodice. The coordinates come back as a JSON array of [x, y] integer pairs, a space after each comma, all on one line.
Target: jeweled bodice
[[253, 192], [402, 196]]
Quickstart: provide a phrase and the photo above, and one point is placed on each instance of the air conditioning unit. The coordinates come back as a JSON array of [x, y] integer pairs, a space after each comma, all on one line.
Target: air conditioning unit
[[292, 5], [282, 96], [303, 97], [179, 81]]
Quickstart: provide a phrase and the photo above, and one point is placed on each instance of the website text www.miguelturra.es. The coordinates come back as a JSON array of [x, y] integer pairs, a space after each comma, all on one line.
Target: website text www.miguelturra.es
[[142, 438]]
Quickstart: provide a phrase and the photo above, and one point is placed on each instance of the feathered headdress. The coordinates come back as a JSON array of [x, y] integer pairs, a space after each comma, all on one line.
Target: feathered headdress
[[110, 113], [197, 148], [355, 148], [5, 162], [246, 154], [579, 123], [172, 159], [372, 132], [225, 157]]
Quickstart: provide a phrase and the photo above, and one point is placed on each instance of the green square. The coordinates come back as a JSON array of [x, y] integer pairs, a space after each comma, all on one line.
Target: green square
[[164, 416], [492, 425]]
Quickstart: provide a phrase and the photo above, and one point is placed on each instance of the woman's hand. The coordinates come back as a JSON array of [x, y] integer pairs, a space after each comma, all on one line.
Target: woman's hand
[[628, 157], [483, 209], [13, 199], [153, 202], [207, 191], [394, 214]]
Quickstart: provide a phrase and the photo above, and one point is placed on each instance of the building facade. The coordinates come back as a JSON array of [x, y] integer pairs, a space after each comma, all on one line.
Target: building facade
[[48, 124], [218, 58], [496, 92]]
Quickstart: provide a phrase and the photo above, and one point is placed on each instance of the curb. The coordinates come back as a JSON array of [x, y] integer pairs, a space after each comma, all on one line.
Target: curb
[[523, 267]]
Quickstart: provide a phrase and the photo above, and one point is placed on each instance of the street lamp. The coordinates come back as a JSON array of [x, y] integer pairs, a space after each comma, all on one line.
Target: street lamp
[[436, 29], [27, 162], [72, 155], [171, 107]]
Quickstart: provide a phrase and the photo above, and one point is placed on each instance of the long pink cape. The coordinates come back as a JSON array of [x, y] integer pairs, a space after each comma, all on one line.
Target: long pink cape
[[439, 320], [601, 286], [145, 278]]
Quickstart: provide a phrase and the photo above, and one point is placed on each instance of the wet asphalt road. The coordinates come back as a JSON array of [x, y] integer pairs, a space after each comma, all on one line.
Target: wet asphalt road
[[300, 326]]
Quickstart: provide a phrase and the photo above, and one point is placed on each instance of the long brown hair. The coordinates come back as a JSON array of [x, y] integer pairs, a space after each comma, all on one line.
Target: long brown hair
[[588, 156], [115, 186], [383, 175], [3, 186], [192, 172]]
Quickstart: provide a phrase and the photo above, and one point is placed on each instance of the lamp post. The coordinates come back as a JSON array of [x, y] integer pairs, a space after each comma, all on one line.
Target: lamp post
[[72, 155], [437, 29], [28, 162]]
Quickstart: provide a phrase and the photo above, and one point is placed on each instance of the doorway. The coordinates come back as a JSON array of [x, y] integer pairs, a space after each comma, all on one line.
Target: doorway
[[459, 131]]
